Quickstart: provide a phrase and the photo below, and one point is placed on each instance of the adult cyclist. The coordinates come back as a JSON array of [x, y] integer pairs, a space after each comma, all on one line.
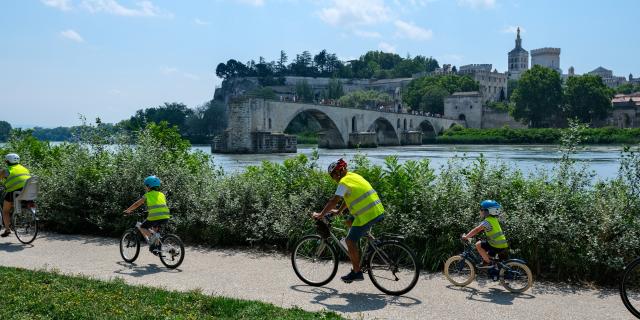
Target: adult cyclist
[[15, 177], [364, 206]]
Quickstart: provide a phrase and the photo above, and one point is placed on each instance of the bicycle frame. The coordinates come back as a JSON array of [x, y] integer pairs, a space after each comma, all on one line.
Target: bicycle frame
[[469, 253]]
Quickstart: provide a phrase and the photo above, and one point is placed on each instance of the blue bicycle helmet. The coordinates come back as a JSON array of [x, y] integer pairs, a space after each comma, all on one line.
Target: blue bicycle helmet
[[492, 207], [152, 181]]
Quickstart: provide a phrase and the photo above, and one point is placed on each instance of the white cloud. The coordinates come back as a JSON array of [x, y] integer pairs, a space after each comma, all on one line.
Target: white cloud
[[144, 8], [411, 31], [255, 3], [71, 35], [170, 71], [367, 34], [386, 47], [477, 3], [64, 5], [513, 29], [355, 12], [201, 22]]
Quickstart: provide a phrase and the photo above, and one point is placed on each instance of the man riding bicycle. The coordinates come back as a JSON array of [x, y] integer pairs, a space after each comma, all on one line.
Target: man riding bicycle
[[364, 206], [158, 211], [15, 176]]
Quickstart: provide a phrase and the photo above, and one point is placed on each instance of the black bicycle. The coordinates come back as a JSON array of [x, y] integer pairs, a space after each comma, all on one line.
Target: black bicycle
[[392, 266], [513, 274], [24, 215], [630, 287], [169, 247]]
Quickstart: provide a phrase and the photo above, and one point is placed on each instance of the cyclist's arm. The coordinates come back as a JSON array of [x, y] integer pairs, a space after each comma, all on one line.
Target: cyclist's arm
[[474, 231], [135, 205], [331, 204]]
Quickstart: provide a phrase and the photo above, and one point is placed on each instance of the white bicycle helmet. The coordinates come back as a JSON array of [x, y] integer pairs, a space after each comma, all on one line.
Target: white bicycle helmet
[[12, 158]]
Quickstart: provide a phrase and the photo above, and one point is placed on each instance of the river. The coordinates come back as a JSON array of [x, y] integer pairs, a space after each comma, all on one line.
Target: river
[[603, 160]]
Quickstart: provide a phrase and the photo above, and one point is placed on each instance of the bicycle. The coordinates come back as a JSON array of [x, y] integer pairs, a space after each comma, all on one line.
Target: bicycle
[[391, 265], [630, 287], [171, 248], [514, 274], [24, 216]]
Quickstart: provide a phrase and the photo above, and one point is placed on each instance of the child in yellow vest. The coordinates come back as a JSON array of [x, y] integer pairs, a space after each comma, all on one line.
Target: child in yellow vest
[[496, 240], [158, 211]]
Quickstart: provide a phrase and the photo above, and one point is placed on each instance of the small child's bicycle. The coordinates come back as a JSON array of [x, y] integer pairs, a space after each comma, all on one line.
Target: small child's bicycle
[[169, 247], [513, 274], [24, 215]]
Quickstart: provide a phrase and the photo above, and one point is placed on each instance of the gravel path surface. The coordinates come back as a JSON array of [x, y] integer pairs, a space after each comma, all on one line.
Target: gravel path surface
[[270, 278]]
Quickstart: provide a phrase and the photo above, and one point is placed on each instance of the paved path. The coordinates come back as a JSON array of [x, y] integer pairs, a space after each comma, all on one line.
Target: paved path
[[269, 277]]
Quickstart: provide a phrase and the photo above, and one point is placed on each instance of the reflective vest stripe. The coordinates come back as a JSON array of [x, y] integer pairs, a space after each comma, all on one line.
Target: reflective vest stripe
[[496, 235], [157, 206], [367, 207], [157, 214], [18, 176], [362, 197]]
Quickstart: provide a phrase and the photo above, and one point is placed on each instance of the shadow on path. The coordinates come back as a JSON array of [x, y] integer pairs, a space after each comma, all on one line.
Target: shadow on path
[[134, 270], [14, 246], [84, 239], [493, 295], [353, 301]]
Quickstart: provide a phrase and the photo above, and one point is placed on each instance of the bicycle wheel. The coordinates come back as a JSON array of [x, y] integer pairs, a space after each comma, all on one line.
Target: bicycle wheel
[[314, 260], [630, 287], [459, 271], [393, 268], [25, 225], [171, 251], [516, 277], [130, 245]]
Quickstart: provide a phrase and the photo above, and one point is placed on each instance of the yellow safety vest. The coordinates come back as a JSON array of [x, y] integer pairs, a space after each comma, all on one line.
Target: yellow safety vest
[[18, 176], [156, 206], [363, 202], [495, 237]]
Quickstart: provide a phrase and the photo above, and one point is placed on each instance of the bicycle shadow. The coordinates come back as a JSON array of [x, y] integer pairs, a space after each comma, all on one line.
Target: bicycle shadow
[[14, 247], [84, 239], [494, 295], [353, 302], [134, 270]]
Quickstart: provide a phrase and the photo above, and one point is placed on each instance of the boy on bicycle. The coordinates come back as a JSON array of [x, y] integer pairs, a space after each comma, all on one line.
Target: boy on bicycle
[[15, 177], [158, 211], [496, 242], [364, 206]]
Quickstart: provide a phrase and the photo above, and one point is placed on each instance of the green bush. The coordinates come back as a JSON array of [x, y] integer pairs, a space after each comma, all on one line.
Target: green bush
[[506, 135], [566, 224]]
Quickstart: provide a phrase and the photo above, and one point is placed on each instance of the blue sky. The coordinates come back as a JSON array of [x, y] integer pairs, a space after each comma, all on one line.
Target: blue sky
[[108, 58]]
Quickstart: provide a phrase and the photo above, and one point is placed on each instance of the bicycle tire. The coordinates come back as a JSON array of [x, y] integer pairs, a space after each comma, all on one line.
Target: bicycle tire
[[525, 268], [628, 271], [414, 274], [25, 225], [457, 261], [168, 250], [302, 245], [130, 239]]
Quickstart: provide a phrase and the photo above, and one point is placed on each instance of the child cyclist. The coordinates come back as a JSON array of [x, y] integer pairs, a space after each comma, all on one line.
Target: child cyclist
[[158, 211], [496, 242]]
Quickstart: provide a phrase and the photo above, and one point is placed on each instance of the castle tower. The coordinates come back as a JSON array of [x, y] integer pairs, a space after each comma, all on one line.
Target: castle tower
[[546, 57], [518, 59]]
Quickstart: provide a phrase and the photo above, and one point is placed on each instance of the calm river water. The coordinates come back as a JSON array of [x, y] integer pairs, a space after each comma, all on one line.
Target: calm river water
[[603, 160]]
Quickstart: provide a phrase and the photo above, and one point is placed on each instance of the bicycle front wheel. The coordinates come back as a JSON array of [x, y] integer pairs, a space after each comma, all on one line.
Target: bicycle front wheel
[[393, 268], [314, 261], [171, 251], [630, 287], [25, 225], [129, 245], [459, 271]]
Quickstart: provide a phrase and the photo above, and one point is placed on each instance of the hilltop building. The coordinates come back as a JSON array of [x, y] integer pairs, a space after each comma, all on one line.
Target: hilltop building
[[518, 59], [607, 77], [546, 57], [493, 84]]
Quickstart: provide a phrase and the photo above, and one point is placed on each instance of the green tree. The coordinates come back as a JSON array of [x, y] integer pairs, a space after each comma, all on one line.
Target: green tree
[[304, 91], [587, 98], [428, 93], [364, 98], [538, 97], [433, 99], [628, 88], [5, 130], [335, 90], [175, 114]]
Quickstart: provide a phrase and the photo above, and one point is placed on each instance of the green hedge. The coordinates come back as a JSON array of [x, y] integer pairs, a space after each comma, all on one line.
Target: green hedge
[[564, 222], [507, 135]]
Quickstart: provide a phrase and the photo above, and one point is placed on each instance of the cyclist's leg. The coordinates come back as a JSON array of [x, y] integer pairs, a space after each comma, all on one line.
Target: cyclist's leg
[[7, 205], [144, 228], [483, 249], [355, 233]]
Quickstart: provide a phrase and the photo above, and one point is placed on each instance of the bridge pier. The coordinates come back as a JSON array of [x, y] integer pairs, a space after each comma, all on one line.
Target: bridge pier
[[362, 140], [408, 138]]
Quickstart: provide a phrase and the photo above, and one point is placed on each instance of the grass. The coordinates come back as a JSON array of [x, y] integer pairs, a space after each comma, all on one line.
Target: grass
[[30, 294]]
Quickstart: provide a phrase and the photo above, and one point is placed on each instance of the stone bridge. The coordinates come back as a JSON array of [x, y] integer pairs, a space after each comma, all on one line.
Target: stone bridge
[[257, 126]]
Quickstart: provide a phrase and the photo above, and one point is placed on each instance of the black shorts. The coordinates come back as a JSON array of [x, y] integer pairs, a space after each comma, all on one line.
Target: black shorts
[[8, 196], [156, 223], [493, 251]]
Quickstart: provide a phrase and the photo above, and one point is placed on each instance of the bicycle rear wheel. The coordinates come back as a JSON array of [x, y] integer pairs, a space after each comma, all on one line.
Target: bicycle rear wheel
[[25, 225], [314, 261], [130, 245], [393, 268], [516, 277], [630, 287], [172, 251]]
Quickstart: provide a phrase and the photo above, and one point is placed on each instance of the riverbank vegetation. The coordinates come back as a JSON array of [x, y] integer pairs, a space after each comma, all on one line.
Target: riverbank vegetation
[[48, 295], [565, 222], [506, 135]]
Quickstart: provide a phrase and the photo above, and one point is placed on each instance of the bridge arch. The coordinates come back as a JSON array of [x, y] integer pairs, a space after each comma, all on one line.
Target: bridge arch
[[329, 136], [429, 132], [386, 135]]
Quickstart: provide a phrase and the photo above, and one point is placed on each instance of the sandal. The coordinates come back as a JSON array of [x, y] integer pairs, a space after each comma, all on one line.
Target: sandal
[[6, 233]]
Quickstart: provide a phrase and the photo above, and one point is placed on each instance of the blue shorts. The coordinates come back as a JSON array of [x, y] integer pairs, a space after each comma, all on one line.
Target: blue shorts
[[357, 232]]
